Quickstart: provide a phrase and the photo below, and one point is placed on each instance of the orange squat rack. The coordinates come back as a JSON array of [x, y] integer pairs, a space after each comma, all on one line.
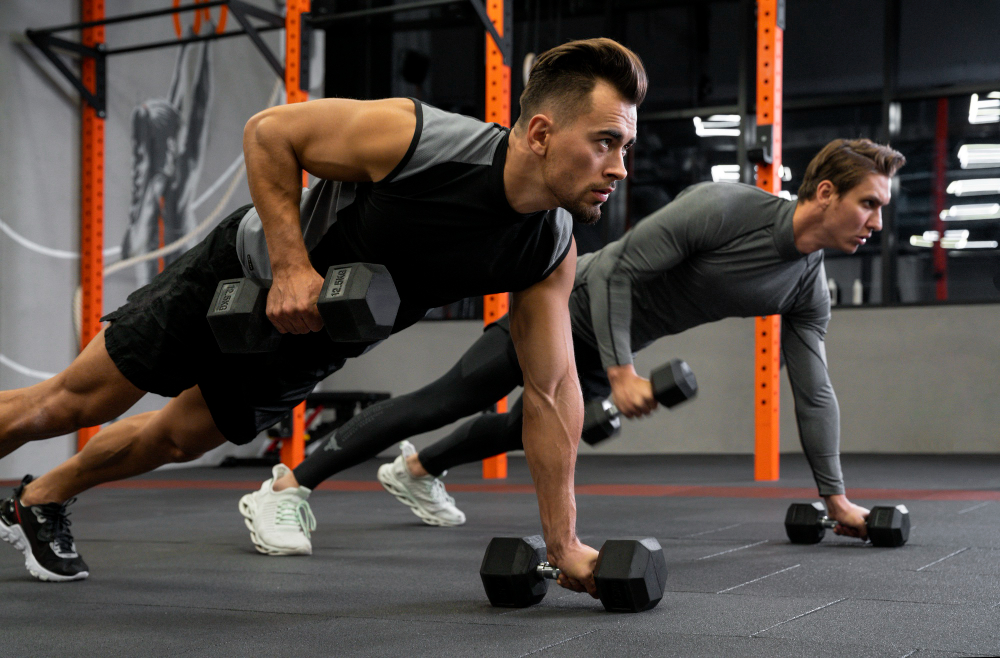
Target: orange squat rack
[[767, 341], [497, 111]]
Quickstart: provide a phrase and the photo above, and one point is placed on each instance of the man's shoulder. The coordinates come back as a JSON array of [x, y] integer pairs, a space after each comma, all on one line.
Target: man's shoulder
[[735, 194], [444, 137]]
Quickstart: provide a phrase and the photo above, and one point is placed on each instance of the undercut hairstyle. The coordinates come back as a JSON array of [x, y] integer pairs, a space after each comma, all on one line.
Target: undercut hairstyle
[[847, 162], [561, 80]]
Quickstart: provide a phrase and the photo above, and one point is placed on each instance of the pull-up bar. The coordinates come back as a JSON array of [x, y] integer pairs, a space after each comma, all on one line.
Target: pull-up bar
[[242, 11], [48, 43]]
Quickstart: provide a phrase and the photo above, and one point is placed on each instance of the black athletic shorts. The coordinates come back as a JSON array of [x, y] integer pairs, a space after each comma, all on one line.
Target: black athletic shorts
[[160, 340], [593, 377]]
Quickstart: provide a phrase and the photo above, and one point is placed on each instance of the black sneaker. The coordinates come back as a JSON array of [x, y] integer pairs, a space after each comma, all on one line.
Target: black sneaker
[[42, 533]]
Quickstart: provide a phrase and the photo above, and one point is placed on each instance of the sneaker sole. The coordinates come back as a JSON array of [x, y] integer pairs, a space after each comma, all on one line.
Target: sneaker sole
[[248, 508], [391, 484], [14, 535]]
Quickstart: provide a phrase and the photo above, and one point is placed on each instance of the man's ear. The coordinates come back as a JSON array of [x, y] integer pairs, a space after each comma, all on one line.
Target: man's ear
[[825, 193], [539, 133]]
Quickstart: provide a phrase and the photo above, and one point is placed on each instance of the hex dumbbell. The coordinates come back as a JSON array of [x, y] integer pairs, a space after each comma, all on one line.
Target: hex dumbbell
[[358, 303], [630, 573], [806, 523], [673, 383]]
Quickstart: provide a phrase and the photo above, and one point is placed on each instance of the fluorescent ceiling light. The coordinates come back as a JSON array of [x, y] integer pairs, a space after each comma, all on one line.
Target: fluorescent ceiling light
[[972, 187], [726, 173], [951, 240], [974, 156], [985, 110], [971, 211], [718, 125]]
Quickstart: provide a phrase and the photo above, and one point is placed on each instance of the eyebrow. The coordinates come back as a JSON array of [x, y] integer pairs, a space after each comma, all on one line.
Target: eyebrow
[[615, 135]]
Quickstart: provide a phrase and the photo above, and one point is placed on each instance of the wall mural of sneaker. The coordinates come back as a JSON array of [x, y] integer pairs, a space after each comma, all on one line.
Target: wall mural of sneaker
[[42, 533]]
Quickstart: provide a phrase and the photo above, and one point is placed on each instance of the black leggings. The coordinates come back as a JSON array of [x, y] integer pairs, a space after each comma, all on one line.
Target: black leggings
[[488, 371], [493, 434]]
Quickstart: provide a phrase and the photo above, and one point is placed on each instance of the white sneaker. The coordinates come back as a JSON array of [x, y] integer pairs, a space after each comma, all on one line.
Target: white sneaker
[[425, 496], [279, 521]]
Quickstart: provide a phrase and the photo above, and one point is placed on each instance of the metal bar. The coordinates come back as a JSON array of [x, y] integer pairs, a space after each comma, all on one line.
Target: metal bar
[[60, 44], [497, 111], [888, 236], [179, 42], [91, 192], [767, 341], [503, 42], [237, 7], [825, 102], [323, 21], [252, 10], [41, 42], [940, 256], [132, 17], [305, 50], [293, 448], [744, 26], [688, 113]]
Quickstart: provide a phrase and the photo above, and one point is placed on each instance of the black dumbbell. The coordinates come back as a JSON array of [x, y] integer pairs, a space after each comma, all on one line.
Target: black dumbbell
[[806, 523], [672, 382], [630, 573], [358, 303]]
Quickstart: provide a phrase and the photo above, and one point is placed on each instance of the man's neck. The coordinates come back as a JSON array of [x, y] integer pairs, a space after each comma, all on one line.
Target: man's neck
[[807, 227], [522, 179]]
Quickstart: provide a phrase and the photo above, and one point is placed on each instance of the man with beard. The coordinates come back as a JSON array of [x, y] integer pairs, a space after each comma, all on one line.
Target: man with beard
[[451, 206]]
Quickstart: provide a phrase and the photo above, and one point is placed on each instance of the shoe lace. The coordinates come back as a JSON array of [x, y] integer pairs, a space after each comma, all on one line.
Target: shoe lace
[[55, 527], [438, 493], [296, 513]]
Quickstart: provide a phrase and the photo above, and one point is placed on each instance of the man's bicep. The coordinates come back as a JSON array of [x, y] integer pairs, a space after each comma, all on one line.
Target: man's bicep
[[661, 241], [540, 324]]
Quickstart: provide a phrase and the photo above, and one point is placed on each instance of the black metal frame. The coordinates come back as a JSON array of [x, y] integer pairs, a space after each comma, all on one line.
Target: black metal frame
[[46, 41], [504, 43]]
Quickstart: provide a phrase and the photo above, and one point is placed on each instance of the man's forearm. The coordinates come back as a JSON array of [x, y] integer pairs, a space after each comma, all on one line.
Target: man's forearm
[[275, 179], [551, 431], [611, 316]]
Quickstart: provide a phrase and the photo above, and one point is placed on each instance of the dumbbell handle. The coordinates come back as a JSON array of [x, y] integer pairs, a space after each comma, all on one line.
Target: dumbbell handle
[[610, 408], [827, 522], [546, 570]]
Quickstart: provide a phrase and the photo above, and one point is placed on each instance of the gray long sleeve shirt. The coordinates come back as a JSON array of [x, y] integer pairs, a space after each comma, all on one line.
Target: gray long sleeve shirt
[[718, 250]]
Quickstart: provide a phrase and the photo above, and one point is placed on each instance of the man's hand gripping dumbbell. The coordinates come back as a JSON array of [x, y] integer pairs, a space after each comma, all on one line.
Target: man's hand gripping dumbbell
[[633, 396], [357, 302]]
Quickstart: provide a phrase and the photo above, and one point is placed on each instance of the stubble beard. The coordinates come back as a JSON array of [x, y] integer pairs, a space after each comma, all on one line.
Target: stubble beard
[[582, 212]]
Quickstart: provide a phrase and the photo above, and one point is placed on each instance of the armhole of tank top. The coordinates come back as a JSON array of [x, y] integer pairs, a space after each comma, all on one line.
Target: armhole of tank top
[[558, 261], [418, 129]]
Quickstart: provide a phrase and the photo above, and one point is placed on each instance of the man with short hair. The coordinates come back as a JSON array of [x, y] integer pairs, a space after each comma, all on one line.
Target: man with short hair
[[453, 207], [718, 250]]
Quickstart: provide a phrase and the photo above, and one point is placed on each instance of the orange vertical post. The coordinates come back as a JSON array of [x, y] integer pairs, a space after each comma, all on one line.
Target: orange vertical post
[[91, 199], [767, 341], [293, 448], [497, 111]]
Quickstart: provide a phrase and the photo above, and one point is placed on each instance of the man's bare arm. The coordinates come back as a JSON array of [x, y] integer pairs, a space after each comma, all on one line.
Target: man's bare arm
[[335, 139], [553, 415]]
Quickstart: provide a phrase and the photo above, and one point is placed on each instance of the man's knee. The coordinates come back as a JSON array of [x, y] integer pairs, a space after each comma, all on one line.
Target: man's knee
[[178, 449], [184, 429]]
